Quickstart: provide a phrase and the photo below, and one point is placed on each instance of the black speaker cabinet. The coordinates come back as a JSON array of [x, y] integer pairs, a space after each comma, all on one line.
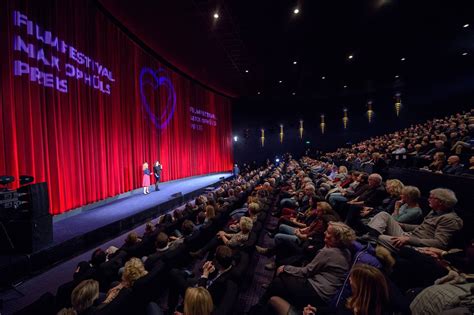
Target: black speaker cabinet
[[29, 236], [37, 200]]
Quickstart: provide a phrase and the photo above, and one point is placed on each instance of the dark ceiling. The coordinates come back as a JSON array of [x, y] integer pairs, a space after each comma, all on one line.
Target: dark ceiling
[[265, 37]]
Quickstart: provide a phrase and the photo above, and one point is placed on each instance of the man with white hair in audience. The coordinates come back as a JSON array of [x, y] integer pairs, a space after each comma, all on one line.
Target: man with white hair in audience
[[436, 230]]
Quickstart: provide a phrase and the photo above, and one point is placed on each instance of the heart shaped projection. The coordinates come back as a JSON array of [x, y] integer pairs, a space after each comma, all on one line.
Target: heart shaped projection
[[155, 79]]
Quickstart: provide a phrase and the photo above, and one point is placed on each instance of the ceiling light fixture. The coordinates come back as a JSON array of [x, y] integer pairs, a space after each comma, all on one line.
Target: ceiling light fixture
[[258, 93], [323, 78], [296, 11], [396, 77], [216, 15], [402, 59], [280, 81], [295, 62], [350, 57], [246, 71], [464, 53], [345, 86], [466, 25], [294, 93]]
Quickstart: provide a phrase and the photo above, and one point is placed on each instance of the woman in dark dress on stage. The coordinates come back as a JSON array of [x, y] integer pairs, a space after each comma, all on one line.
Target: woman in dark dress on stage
[[146, 179]]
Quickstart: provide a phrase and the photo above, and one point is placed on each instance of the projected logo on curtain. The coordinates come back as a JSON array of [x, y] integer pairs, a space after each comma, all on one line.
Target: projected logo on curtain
[[150, 79]]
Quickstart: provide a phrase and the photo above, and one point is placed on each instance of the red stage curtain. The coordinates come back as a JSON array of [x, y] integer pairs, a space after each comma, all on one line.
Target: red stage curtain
[[89, 145]]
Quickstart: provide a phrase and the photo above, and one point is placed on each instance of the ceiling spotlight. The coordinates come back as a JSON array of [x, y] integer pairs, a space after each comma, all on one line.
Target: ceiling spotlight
[[345, 86], [402, 59], [280, 81], [258, 93], [465, 25], [396, 77], [350, 57], [216, 15], [295, 62], [464, 53], [294, 93], [323, 78], [296, 11], [246, 71]]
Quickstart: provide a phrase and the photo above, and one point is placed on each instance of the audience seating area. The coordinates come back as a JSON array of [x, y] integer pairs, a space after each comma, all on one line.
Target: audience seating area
[[383, 227], [440, 145], [106, 265]]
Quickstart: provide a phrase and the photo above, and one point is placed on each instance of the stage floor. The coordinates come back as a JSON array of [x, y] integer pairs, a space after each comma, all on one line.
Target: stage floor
[[69, 229], [92, 219]]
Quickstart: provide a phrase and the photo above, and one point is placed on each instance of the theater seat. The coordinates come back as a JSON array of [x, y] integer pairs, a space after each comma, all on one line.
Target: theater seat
[[226, 306], [147, 288], [119, 306], [240, 268]]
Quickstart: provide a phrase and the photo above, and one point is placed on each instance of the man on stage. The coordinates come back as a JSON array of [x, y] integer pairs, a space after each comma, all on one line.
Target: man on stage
[[157, 173]]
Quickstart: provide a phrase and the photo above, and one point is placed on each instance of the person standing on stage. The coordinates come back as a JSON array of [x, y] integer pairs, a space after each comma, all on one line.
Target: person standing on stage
[[157, 173], [236, 170], [146, 179]]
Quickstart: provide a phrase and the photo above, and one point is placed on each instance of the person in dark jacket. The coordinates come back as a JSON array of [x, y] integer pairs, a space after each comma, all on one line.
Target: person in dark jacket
[[214, 277]]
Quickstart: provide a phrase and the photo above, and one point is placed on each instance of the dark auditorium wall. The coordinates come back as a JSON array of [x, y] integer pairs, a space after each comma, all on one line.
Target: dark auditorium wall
[[422, 100]]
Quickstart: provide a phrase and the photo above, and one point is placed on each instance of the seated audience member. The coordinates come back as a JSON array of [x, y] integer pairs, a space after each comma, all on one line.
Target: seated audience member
[[454, 166], [293, 244], [370, 296], [133, 271], [470, 170], [253, 213], [83, 271], [455, 297], [319, 280], [97, 258], [357, 216], [439, 147], [162, 245], [439, 161], [374, 195], [197, 301], [233, 240], [304, 218], [83, 297], [149, 229], [131, 240], [436, 230], [355, 189], [210, 213], [200, 220], [177, 215], [214, 277], [111, 252], [400, 150], [407, 209], [379, 164], [187, 229]]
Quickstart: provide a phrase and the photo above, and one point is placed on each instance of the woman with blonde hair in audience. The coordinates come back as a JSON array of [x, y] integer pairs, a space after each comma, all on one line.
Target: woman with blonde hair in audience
[[407, 209], [197, 301], [439, 161], [210, 213], [82, 298], [133, 271]]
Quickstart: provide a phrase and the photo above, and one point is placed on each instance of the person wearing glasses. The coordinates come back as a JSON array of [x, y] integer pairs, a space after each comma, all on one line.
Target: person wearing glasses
[[436, 230]]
